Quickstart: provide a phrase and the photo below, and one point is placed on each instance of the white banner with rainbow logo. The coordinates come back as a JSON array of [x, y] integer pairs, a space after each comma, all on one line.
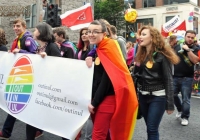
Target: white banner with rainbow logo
[[50, 93]]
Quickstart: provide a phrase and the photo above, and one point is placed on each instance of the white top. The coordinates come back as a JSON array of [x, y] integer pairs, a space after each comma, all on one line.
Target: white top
[[155, 93]]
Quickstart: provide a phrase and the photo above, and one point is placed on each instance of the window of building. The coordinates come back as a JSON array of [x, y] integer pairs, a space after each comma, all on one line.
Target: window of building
[[166, 2], [149, 3], [168, 18], [132, 3], [142, 22], [139, 23]]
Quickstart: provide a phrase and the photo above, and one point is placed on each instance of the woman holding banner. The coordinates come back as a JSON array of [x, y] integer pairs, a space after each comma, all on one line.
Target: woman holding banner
[[81, 54], [113, 88], [43, 34]]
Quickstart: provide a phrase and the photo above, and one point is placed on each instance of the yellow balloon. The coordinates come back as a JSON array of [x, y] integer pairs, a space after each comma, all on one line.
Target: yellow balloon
[[131, 15]]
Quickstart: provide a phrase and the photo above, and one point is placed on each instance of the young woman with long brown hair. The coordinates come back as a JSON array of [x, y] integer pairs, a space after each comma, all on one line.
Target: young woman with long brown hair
[[153, 71]]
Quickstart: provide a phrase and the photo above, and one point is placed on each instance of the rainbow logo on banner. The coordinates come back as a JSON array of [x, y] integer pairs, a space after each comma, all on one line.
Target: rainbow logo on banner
[[19, 85]]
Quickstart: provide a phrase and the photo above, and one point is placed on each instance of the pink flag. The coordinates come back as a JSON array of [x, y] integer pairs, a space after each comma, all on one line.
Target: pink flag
[[78, 18]]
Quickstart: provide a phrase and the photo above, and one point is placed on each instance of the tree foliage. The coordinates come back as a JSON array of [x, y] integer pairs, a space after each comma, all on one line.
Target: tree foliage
[[112, 11]]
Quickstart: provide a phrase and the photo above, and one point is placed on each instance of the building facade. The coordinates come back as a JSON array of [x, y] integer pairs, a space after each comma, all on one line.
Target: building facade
[[158, 12], [11, 9]]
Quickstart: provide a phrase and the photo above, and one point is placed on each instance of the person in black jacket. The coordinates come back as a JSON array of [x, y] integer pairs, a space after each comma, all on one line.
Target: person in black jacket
[[81, 54], [153, 71], [67, 48], [105, 99], [3, 41], [43, 34]]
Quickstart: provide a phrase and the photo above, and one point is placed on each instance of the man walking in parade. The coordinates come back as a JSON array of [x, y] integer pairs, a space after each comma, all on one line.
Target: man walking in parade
[[24, 43], [183, 75]]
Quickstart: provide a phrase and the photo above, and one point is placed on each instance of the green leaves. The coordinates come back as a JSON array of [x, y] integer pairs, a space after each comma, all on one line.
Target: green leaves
[[112, 11]]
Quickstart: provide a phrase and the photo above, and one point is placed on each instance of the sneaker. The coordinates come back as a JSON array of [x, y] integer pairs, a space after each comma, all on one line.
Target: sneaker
[[38, 134], [184, 121], [2, 137], [178, 114]]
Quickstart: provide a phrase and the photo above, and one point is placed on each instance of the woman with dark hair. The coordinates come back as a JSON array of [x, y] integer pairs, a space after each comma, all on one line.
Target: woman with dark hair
[[114, 102], [83, 45], [43, 34], [153, 71], [3, 41], [81, 54]]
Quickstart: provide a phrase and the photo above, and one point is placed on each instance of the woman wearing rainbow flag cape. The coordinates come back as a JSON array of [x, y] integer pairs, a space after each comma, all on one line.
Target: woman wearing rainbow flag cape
[[114, 101], [153, 71]]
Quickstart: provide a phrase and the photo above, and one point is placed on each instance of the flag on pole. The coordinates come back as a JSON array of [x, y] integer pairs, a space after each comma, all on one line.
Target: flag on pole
[[173, 25], [78, 18]]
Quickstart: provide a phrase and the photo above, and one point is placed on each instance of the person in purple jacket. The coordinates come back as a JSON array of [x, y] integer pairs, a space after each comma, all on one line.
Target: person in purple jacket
[[23, 43]]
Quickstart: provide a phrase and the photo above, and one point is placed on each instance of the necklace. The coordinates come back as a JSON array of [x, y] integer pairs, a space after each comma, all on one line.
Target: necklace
[[42, 49]]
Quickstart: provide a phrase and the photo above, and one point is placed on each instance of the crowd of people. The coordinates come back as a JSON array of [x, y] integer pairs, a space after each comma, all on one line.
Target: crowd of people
[[150, 71]]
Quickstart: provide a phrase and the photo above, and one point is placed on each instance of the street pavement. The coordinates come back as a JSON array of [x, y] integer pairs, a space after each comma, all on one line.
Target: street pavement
[[170, 127]]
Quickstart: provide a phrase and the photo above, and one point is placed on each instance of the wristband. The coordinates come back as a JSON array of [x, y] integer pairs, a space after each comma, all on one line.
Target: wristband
[[187, 50]]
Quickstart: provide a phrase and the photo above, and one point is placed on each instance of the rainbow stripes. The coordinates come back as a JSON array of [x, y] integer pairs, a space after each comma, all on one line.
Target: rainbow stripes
[[124, 119], [19, 85]]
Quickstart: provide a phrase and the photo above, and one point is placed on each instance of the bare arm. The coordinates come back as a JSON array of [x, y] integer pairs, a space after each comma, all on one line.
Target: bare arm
[[193, 58]]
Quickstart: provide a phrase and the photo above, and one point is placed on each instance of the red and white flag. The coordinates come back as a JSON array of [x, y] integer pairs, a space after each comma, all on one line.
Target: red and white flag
[[78, 18], [174, 24]]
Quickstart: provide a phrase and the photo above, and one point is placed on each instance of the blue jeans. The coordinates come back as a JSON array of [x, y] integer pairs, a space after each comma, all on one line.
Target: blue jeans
[[183, 85], [152, 108]]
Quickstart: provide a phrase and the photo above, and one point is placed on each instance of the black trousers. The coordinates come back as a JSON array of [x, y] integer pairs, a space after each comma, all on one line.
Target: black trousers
[[8, 126], [31, 132]]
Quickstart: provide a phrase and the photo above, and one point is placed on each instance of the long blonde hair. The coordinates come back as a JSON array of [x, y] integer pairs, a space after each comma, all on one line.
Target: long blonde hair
[[158, 45], [130, 44]]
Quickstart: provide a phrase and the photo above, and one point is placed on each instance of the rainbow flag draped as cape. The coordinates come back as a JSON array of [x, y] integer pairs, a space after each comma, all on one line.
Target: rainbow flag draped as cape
[[124, 119]]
